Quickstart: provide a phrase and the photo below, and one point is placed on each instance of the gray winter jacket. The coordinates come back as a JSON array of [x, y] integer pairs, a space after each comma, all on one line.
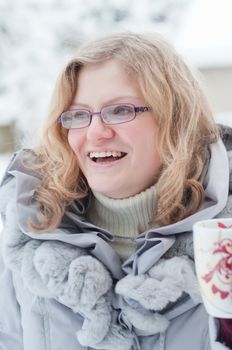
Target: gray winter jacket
[[69, 289]]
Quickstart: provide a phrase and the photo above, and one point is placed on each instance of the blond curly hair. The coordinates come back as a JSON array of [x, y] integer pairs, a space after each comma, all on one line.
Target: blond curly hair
[[183, 117]]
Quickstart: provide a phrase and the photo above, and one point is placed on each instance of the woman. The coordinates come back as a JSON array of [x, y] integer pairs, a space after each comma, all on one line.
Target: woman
[[97, 245]]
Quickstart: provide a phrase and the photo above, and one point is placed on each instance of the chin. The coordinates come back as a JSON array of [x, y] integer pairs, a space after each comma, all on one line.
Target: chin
[[104, 186], [107, 192]]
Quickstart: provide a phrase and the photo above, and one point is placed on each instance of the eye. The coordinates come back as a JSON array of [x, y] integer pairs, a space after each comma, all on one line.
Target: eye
[[75, 119], [80, 115], [66, 119], [123, 110]]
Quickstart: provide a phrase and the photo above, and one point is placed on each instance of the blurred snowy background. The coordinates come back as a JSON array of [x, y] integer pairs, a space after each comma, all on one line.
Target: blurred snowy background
[[37, 37]]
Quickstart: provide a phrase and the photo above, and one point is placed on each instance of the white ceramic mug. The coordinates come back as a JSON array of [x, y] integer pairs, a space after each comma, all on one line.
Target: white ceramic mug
[[213, 258]]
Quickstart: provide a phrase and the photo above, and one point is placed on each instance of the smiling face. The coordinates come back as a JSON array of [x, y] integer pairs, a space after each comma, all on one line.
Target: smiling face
[[120, 160]]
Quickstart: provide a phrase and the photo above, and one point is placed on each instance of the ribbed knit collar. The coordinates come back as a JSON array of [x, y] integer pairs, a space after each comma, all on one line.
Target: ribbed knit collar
[[123, 217]]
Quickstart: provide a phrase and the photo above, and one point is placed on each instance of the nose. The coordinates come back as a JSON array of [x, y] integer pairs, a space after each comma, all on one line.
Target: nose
[[97, 130]]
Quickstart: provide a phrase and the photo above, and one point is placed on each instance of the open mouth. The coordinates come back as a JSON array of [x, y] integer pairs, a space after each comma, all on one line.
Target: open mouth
[[104, 157]]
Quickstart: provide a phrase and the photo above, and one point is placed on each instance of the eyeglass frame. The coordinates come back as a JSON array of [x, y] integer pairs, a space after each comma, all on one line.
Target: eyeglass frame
[[137, 109]]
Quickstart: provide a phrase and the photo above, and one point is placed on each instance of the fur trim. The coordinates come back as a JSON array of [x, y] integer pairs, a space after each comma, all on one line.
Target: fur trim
[[146, 321], [66, 273], [149, 293]]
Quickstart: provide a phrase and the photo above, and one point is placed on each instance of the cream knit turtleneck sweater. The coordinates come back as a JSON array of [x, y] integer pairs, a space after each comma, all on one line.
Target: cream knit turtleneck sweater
[[125, 218]]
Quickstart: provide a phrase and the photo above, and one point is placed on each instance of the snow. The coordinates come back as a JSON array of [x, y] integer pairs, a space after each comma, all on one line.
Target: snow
[[224, 118], [4, 160], [205, 37], [38, 37]]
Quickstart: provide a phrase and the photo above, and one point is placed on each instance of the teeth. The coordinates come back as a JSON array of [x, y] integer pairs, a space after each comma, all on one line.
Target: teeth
[[105, 154]]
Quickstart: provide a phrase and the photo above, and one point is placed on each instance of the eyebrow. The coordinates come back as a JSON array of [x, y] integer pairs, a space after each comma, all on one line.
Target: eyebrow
[[113, 100]]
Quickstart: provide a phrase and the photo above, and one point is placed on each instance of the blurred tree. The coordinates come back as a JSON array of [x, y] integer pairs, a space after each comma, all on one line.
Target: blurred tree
[[37, 36]]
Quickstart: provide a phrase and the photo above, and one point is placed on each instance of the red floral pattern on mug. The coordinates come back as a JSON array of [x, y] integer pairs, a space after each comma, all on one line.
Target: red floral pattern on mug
[[221, 274], [221, 225]]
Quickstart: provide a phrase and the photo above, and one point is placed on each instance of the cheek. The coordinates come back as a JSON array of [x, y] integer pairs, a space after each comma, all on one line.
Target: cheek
[[147, 148], [74, 141]]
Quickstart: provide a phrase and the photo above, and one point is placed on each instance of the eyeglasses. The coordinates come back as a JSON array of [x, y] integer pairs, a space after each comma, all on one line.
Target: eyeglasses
[[110, 115]]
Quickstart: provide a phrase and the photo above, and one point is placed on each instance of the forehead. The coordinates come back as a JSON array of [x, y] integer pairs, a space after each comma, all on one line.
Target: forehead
[[111, 66], [105, 80]]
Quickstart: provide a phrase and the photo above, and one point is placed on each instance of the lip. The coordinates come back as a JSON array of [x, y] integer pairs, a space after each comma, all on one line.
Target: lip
[[103, 165]]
